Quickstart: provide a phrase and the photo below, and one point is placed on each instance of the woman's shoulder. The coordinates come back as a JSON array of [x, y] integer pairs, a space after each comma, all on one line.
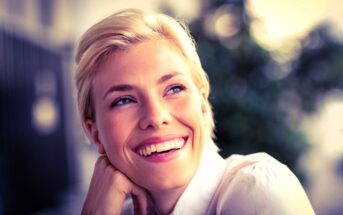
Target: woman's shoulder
[[255, 158], [260, 183], [253, 168]]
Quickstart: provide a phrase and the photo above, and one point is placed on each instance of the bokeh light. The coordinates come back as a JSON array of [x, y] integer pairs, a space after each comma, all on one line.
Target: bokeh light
[[324, 130], [279, 25], [45, 115], [224, 23]]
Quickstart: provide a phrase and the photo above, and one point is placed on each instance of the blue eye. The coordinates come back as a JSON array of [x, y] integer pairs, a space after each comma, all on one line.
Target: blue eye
[[175, 89], [122, 101]]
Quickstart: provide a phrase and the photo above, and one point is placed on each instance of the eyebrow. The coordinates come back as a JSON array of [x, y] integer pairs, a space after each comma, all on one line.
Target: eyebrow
[[120, 88], [127, 87], [167, 77]]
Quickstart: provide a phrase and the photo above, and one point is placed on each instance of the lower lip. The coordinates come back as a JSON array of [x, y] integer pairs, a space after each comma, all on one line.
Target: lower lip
[[163, 157]]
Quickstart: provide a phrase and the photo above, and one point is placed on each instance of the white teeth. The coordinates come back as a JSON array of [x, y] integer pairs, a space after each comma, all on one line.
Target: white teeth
[[148, 149], [161, 147], [178, 144], [153, 149], [145, 151]]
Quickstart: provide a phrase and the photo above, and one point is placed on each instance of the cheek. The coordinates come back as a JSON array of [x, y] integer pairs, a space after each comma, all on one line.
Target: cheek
[[114, 130], [190, 111], [114, 135]]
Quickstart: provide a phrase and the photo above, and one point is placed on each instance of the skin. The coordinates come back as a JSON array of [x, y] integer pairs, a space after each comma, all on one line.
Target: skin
[[144, 94]]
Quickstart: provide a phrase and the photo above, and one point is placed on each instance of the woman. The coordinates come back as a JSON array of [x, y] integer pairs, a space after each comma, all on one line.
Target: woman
[[143, 98]]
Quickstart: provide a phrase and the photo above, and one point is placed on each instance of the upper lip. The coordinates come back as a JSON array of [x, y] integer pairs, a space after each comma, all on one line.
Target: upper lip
[[158, 139]]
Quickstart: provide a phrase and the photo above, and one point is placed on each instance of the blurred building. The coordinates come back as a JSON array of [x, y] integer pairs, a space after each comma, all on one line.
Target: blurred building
[[37, 159]]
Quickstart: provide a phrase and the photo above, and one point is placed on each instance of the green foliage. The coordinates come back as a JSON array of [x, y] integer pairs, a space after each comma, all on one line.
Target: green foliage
[[246, 102], [318, 69]]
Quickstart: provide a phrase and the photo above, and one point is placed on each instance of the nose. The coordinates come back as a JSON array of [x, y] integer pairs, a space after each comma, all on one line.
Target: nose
[[154, 115]]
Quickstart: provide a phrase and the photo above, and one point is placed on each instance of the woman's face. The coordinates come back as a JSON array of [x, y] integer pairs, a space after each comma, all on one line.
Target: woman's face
[[149, 115]]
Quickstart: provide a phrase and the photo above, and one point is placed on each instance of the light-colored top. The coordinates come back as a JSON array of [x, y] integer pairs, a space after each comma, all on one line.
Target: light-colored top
[[255, 184]]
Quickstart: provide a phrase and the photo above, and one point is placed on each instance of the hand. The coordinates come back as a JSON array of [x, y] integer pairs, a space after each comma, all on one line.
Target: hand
[[108, 189]]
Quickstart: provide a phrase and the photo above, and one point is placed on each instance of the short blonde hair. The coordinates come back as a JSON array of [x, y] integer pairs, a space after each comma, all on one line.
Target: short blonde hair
[[122, 31]]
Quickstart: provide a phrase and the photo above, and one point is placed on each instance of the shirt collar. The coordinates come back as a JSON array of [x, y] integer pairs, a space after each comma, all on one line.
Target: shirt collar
[[199, 192]]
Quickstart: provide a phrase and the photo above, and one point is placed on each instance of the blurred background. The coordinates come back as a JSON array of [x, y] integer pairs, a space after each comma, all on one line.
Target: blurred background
[[275, 66]]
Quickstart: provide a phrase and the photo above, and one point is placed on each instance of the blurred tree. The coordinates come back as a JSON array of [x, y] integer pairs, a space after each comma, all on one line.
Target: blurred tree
[[318, 69], [246, 100]]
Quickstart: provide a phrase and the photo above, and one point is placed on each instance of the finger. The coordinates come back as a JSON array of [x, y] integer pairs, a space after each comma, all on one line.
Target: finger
[[102, 161], [140, 201], [102, 166]]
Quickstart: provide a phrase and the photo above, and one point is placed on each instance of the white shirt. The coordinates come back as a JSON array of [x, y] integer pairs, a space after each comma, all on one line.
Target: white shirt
[[243, 185], [255, 184]]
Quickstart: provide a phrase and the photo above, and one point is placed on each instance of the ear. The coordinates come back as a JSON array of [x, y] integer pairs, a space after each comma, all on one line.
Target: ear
[[93, 132]]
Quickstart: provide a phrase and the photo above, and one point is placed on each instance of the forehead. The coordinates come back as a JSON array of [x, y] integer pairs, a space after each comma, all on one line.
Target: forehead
[[144, 60]]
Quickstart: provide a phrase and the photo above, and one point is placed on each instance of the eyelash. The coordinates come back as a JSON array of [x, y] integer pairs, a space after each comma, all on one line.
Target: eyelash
[[123, 99], [176, 86], [126, 99]]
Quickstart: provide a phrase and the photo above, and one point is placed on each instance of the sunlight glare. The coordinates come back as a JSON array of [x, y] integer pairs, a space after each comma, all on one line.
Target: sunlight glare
[[278, 25]]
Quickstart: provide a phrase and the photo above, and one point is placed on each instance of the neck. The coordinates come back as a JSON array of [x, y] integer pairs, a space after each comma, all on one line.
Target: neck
[[165, 201]]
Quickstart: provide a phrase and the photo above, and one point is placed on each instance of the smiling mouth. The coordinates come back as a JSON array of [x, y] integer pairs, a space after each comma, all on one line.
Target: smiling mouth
[[149, 150]]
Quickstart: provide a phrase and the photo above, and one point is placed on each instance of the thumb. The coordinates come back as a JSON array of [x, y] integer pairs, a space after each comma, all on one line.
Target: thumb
[[140, 201]]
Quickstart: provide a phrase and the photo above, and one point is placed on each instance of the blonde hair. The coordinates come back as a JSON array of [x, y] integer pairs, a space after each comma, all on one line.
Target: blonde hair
[[122, 31]]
